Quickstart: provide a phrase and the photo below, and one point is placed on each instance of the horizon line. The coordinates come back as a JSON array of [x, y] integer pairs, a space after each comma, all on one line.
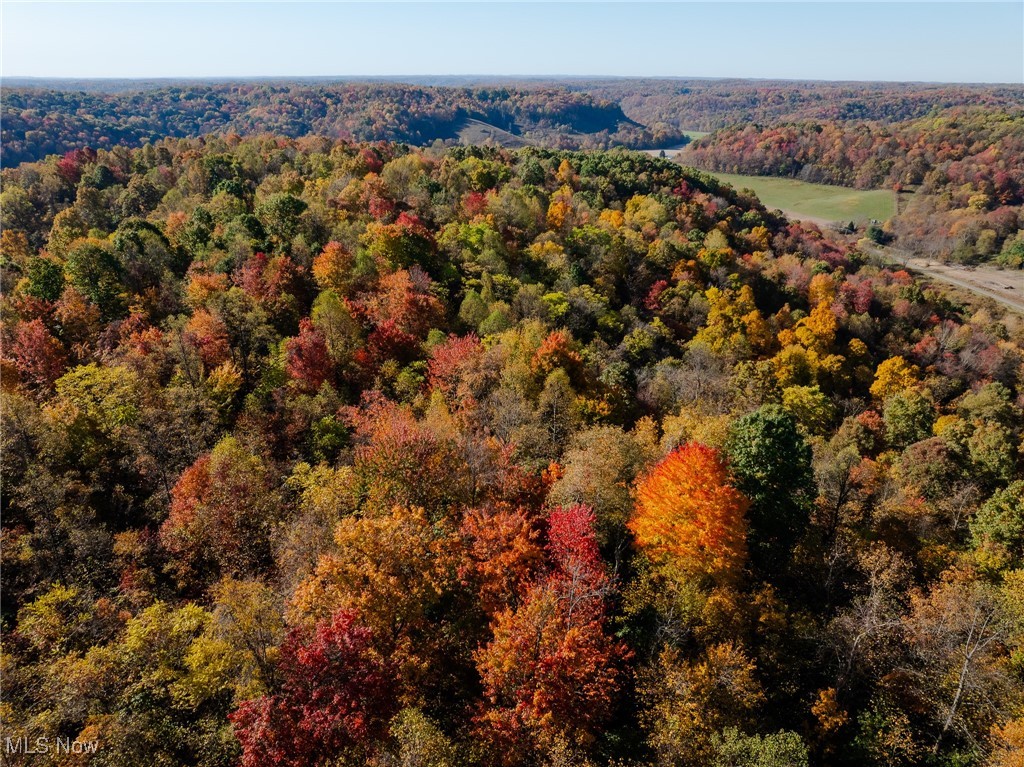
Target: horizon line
[[471, 76]]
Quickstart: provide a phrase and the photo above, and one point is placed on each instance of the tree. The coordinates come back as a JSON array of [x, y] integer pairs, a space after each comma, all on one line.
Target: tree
[[578, 571], [307, 359], [810, 406], [248, 329], [1008, 750], [865, 634], [332, 269], [333, 318], [172, 691], [247, 617], [38, 356], [224, 509], [689, 518], [960, 634], [992, 451], [558, 351], [401, 244], [395, 570], [998, 527], [45, 279], [421, 743], [598, 470], [403, 298], [782, 749], [991, 402], [279, 213], [503, 555], [390, 568], [544, 678], [772, 465], [558, 408], [97, 273], [734, 325], [550, 670], [452, 365], [99, 407], [404, 462], [209, 336], [908, 416], [146, 255], [893, 376], [336, 698], [687, 702]]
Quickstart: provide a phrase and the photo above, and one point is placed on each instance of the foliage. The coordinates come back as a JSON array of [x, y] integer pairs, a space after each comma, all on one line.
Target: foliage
[[318, 452], [689, 517], [961, 164], [336, 695], [772, 464]]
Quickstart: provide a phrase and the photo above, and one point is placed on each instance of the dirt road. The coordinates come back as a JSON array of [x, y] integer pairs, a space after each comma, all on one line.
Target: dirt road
[[1003, 286], [670, 152]]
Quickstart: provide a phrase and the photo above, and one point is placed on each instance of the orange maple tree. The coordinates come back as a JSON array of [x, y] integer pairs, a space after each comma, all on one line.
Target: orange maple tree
[[688, 515]]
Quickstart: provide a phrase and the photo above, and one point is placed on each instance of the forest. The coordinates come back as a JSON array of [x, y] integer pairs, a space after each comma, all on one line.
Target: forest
[[41, 121], [42, 116], [962, 171], [711, 104], [318, 452]]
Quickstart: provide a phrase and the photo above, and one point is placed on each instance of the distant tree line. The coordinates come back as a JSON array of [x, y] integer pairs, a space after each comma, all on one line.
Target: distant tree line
[[38, 122]]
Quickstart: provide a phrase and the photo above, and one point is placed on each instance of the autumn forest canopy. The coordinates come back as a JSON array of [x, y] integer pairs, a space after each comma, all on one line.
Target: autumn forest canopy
[[329, 440], [949, 153], [37, 121]]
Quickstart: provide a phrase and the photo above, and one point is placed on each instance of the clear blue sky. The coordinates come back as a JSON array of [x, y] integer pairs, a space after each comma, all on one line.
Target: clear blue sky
[[933, 41]]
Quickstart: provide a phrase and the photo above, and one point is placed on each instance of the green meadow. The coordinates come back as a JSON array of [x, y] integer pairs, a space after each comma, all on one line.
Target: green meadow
[[819, 202]]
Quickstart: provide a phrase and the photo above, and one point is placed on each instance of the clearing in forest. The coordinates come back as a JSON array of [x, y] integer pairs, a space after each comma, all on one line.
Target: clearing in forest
[[820, 203]]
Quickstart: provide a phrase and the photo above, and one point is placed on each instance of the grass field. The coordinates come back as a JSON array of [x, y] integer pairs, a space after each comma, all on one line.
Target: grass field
[[816, 202], [477, 132]]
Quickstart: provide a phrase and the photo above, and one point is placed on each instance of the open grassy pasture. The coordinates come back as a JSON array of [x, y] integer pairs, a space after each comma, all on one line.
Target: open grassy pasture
[[816, 202]]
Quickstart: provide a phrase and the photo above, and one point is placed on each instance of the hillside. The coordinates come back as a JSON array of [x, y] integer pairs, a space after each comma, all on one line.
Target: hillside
[[42, 116], [331, 453], [710, 104], [960, 173], [37, 122]]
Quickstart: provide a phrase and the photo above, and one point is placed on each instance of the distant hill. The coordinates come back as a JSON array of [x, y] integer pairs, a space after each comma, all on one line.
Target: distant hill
[[42, 121], [52, 116], [707, 105]]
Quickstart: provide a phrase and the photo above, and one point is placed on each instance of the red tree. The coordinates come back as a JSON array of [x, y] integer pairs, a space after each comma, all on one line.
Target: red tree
[[550, 673], [38, 356], [337, 695], [503, 555], [452, 361], [223, 511], [308, 361], [404, 298]]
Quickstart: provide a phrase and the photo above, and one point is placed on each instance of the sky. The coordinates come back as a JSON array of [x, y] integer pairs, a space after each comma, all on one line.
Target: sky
[[913, 41]]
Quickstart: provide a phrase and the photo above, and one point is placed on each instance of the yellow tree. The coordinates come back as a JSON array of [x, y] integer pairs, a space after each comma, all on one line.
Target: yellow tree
[[332, 269], [893, 376], [734, 323], [687, 702]]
